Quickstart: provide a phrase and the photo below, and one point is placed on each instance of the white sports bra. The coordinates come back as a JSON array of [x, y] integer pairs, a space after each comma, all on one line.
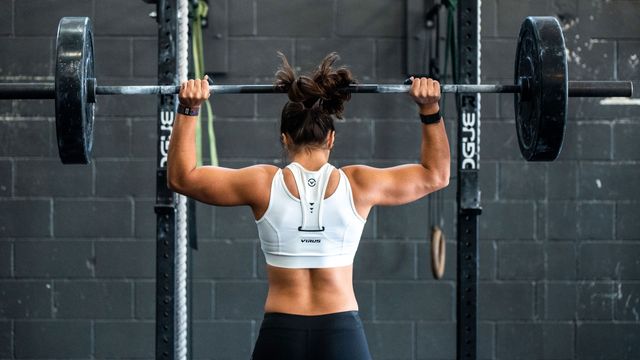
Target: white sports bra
[[310, 232]]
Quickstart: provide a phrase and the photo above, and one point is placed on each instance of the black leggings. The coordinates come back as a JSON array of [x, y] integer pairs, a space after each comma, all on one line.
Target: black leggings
[[299, 337]]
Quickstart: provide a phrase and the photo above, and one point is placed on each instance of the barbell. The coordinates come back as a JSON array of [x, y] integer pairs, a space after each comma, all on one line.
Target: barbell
[[541, 89]]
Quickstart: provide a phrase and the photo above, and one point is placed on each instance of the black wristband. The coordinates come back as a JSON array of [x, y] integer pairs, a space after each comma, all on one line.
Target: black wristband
[[189, 111], [430, 119]]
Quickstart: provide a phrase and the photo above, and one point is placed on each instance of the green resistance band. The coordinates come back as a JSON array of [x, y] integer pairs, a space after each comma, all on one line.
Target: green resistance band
[[200, 12]]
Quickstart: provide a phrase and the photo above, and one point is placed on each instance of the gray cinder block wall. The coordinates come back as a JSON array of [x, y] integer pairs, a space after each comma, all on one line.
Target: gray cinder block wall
[[559, 251]]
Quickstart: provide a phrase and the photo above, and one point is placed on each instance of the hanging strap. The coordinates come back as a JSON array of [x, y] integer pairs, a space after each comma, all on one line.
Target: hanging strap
[[312, 186]]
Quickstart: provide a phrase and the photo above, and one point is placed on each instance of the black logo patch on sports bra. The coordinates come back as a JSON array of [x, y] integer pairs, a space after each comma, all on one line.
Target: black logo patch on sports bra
[[311, 182]]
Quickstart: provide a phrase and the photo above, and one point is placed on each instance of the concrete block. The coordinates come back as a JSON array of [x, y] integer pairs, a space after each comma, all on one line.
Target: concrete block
[[512, 264], [240, 300], [500, 141], [560, 301], [390, 60], [25, 218], [233, 143], [522, 180], [397, 140], [595, 301], [602, 20], [595, 221], [627, 301], [112, 138], [6, 178], [223, 260], [58, 339], [354, 140], [428, 301], [520, 226], [257, 57], [120, 178], [590, 59], [243, 13], [113, 57], [92, 218], [505, 301], [608, 260], [124, 339], [93, 300], [145, 57], [385, 260], [235, 223], [392, 340], [625, 146], [627, 226], [225, 339], [562, 180], [401, 222], [616, 341], [30, 56], [357, 54], [605, 181], [562, 220], [307, 18], [6, 259], [561, 260], [534, 341], [144, 133], [436, 340], [628, 60], [52, 178], [53, 259], [25, 300], [6, 18], [365, 296], [46, 14], [6, 339], [511, 14], [125, 259], [109, 19], [15, 134], [378, 18], [145, 219]]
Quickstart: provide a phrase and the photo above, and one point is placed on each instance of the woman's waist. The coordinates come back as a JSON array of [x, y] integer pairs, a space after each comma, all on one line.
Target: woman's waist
[[336, 320]]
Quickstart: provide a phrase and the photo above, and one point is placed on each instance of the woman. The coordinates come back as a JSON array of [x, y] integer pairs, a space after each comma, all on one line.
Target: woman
[[310, 215]]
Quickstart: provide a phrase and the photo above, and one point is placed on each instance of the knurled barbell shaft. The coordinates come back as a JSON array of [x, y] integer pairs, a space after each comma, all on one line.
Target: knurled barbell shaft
[[576, 89], [270, 89]]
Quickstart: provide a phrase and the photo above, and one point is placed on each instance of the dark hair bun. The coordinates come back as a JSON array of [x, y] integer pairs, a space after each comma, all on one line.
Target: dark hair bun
[[321, 88]]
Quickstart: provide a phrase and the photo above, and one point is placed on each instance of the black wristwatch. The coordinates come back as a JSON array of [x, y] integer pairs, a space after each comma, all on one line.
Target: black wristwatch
[[189, 111], [430, 119]]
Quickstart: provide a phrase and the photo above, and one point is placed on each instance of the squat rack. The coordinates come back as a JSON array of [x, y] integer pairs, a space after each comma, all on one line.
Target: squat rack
[[468, 192]]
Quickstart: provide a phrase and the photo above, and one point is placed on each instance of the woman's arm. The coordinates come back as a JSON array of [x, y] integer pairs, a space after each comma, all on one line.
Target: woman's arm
[[406, 183], [210, 184]]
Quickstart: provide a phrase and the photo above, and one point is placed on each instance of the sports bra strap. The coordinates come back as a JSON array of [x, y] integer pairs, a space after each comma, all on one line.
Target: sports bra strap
[[312, 186]]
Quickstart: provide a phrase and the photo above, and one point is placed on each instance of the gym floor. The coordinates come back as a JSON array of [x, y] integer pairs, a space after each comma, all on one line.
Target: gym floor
[[559, 253]]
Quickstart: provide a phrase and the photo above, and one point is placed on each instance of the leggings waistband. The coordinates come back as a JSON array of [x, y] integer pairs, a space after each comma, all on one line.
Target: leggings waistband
[[339, 320]]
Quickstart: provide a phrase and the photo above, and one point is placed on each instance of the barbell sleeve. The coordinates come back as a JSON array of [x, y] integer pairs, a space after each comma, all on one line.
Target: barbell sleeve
[[600, 88], [27, 91]]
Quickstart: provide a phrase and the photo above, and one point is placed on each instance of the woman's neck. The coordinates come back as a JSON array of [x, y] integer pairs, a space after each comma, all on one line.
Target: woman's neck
[[311, 160]]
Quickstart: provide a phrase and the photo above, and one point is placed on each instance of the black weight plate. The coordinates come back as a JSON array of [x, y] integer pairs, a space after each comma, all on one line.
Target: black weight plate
[[541, 111], [74, 114]]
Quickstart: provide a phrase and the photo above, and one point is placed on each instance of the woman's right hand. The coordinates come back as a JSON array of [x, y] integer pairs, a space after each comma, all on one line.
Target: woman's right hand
[[426, 93], [194, 92]]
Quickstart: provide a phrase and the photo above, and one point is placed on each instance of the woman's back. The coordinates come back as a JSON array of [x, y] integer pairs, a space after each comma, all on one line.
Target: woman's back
[[310, 290]]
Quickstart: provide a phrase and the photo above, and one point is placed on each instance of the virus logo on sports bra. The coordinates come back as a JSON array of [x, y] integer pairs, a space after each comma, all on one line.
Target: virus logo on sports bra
[[311, 182]]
